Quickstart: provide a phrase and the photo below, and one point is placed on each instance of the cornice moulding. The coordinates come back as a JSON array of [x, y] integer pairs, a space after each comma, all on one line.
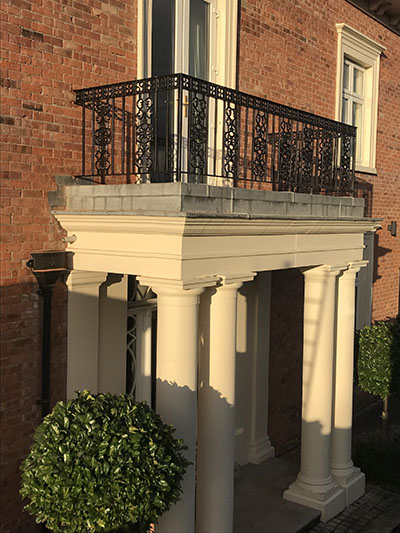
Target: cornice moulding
[[352, 35], [201, 227]]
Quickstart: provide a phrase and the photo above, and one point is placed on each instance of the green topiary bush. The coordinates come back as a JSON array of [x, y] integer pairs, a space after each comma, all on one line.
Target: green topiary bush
[[102, 462], [379, 358]]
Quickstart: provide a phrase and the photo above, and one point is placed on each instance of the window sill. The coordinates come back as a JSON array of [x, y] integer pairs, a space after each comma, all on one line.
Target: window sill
[[365, 170]]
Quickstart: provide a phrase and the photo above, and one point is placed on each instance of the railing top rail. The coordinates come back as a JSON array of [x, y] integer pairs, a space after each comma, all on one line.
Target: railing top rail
[[219, 92]]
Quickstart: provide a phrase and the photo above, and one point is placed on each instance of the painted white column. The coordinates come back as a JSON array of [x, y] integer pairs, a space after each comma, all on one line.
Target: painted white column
[[314, 486], [176, 396], [260, 443], [216, 412], [112, 334], [342, 469], [83, 330]]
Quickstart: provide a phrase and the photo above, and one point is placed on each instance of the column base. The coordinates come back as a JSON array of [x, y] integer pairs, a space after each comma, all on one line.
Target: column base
[[261, 450], [330, 503], [353, 485]]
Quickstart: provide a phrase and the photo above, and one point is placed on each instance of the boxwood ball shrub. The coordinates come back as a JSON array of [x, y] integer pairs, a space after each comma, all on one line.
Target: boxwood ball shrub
[[102, 463], [379, 358]]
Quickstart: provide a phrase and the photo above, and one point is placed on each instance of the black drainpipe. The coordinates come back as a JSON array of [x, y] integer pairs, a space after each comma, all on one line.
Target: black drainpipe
[[48, 268]]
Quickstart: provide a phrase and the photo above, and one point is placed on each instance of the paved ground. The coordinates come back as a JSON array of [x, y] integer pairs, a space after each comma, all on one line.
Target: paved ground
[[378, 511], [259, 507]]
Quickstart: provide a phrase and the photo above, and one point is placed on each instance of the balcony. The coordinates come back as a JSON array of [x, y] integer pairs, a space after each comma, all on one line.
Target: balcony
[[181, 129]]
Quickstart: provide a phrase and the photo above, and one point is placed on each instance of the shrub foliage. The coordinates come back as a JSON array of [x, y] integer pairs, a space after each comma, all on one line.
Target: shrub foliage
[[379, 358], [100, 462], [377, 454]]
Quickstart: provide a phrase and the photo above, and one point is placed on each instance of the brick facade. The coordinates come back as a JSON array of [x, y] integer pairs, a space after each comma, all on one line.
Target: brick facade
[[48, 49], [285, 359], [287, 54]]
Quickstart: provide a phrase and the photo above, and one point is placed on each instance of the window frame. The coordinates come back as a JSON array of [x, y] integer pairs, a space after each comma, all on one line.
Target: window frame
[[365, 53], [352, 97], [223, 44]]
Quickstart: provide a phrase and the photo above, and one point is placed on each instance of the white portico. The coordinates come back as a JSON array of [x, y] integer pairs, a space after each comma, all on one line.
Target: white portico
[[195, 245]]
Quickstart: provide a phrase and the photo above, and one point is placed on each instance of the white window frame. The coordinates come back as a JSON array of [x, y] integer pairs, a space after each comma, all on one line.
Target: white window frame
[[350, 95], [365, 53]]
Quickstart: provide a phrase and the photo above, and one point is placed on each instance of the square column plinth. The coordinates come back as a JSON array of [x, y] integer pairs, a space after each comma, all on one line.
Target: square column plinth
[[330, 503]]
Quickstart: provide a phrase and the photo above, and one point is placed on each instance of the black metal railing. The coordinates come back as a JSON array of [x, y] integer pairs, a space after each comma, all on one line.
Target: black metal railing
[[179, 128]]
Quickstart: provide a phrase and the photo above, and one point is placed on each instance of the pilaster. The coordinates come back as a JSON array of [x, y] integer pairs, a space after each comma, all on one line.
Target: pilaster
[[112, 334], [83, 330], [260, 443]]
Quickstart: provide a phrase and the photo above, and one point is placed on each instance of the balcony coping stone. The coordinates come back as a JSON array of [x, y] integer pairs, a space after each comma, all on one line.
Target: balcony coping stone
[[177, 199]]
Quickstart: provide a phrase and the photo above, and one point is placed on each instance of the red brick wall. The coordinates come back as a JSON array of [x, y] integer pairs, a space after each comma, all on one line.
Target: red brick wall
[[48, 48], [285, 359], [288, 52]]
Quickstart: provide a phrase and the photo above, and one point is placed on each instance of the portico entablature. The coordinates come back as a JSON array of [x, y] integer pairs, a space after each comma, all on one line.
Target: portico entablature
[[187, 247]]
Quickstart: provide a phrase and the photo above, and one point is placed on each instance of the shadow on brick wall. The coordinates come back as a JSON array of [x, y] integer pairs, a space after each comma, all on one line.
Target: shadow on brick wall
[[364, 189], [379, 252], [21, 355]]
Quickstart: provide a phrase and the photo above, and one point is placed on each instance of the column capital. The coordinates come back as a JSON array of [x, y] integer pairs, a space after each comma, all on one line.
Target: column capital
[[172, 285], [86, 278], [356, 266], [324, 270], [236, 280], [113, 278]]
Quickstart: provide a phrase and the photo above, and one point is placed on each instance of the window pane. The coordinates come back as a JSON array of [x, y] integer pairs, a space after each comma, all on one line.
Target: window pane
[[162, 56], [346, 75], [198, 49], [345, 110], [356, 120], [357, 115], [358, 81]]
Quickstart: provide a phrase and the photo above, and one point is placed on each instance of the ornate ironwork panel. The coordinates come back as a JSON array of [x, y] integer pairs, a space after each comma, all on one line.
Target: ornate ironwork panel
[[287, 155], [306, 157], [198, 134], [102, 137], [326, 163], [346, 175], [140, 298], [260, 145], [138, 293], [131, 354], [231, 140], [144, 133]]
